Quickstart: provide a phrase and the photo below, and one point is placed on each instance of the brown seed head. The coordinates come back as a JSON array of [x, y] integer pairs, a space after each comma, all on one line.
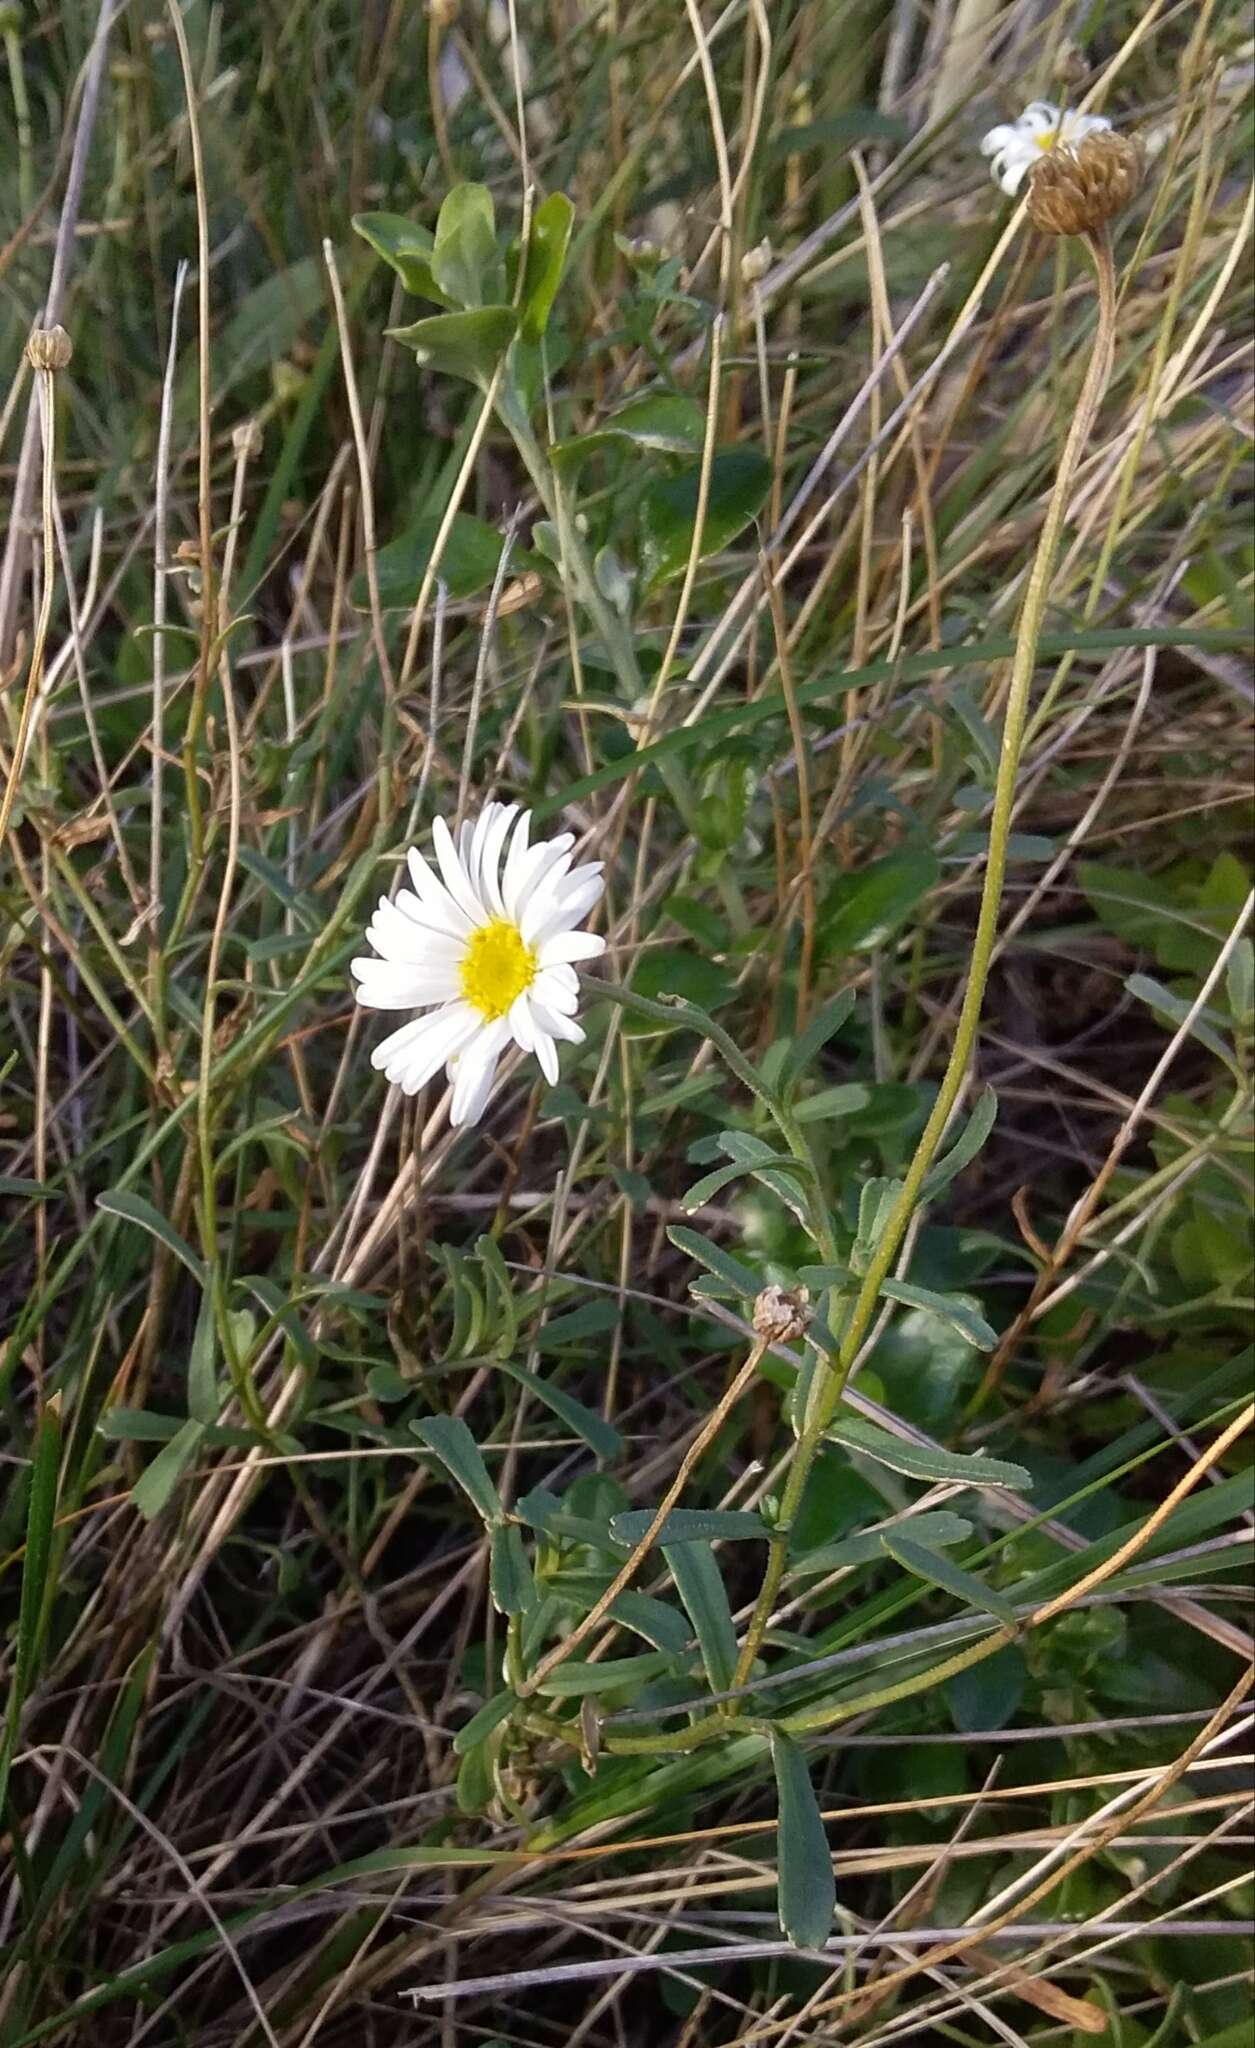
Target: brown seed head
[[1073, 190], [779, 1315], [49, 348]]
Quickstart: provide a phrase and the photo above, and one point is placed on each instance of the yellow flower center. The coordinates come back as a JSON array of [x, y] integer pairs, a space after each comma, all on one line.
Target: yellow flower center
[[498, 966], [1048, 139]]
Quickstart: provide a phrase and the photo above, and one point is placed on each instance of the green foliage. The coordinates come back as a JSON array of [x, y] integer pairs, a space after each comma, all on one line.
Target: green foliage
[[328, 1430]]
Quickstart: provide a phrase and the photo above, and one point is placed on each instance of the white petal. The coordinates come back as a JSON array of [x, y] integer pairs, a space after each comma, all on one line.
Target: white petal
[[547, 1054], [1038, 117], [397, 933], [388, 985], [518, 848], [569, 909], [554, 890], [490, 857], [454, 875], [565, 946], [555, 994], [438, 907], [541, 867], [521, 1023], [997, 138], [555, 1024], [474, 1072], [413, 1054]]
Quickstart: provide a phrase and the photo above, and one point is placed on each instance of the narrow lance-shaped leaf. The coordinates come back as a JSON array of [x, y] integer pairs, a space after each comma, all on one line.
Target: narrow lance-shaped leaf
[[922, 1461], [134, 1208], [965, 1148], [941, 1571], [36, 1561], [955, 1309], [449, 1439], [806, 1888], [546, 257], [157, 1482], [700, 1586]]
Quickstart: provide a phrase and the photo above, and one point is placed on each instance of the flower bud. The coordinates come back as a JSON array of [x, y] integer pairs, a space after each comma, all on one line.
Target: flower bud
[[49, 348], [780, 1316], [756, 263], [1072, 191]]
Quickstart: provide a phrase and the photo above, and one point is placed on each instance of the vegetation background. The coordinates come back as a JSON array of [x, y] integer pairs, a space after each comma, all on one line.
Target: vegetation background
[[250, 1605]]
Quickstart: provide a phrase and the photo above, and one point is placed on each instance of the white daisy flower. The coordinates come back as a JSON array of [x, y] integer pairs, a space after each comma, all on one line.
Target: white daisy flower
[[486, 950], [1017, 145]]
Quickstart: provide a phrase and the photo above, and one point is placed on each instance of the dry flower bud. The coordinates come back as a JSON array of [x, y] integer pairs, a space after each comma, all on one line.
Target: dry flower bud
[[1072, 191], [49, 348], [246, 438], [780, 1316], [756, 263]]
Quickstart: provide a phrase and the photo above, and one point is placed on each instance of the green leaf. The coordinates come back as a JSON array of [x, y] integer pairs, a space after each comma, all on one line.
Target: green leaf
[[468, 562], [37, 1577], [573, 1679], [941, 1571], [806, 1888], [690, 1525], [672, 971], [918, 1461], [509, 1574], [481, 1725], [407, 247], [202, 1369], [600, 1436], [134, 1209], [740, 479], [700, 1586], [659, 420], [956, 1309], [468, 345], [965, 1147], [546, 256], [987, 1694], [488, 1252], [154, 1486], [743, 1281], [475, 1785], [449, 1439], [845, 1098], [1174, 1010], [936, 1530], [659, 1624], [138, 1426], [542, 1510], [868, 906], [808, 1045], [465, 262]]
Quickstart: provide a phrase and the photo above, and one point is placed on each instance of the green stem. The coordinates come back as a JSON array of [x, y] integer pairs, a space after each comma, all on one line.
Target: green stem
[[611, 627], [830, 1381]]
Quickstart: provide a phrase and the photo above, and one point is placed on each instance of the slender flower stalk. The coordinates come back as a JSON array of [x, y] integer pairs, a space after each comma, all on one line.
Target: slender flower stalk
[[829, 1383]]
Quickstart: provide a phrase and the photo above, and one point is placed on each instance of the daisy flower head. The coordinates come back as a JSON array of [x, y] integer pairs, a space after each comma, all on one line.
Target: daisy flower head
[[486, 948], [1016, 146]]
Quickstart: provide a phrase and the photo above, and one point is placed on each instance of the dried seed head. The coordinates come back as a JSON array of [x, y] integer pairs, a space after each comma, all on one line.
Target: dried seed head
[[49, 348], [780, 1316], [246, 438], [1072, 191]]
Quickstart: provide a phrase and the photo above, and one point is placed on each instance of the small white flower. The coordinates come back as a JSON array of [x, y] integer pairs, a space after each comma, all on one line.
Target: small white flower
[[487, 950], [1017, 145]]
